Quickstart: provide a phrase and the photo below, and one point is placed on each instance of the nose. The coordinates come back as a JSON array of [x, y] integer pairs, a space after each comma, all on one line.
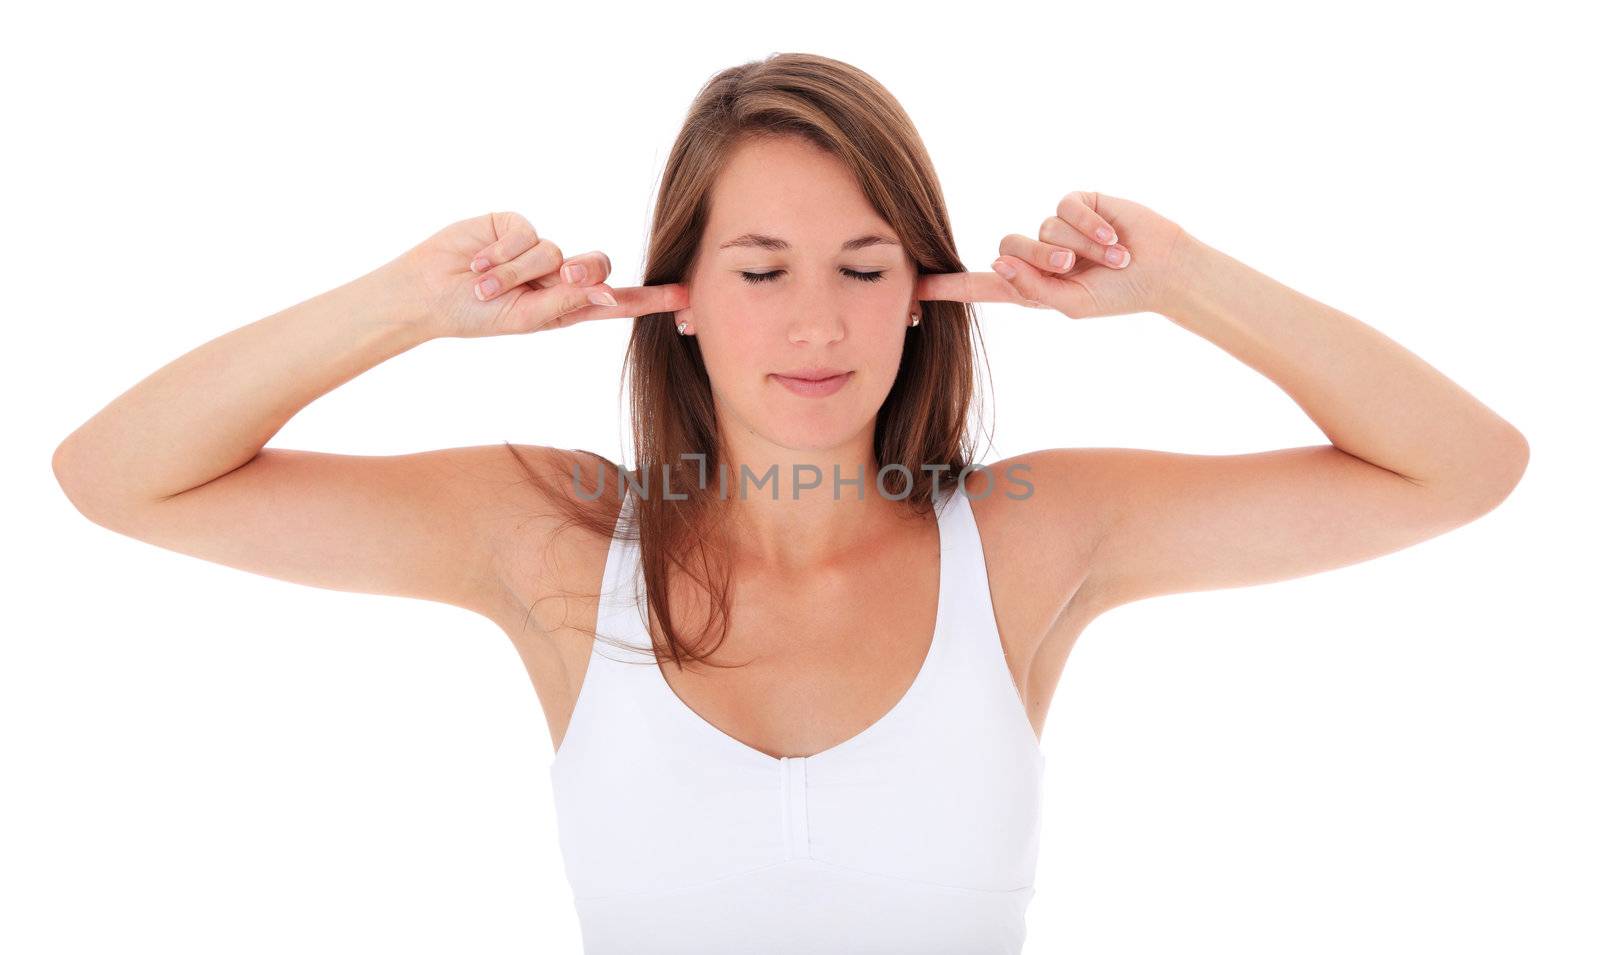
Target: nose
[[817, 319]]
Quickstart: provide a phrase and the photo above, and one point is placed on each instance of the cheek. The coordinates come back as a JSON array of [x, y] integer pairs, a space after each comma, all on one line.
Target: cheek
[[730, 337], [884, 314], [732, 321]]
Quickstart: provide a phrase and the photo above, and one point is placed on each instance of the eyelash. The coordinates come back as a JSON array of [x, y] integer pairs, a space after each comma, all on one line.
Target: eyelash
[[756, 278]]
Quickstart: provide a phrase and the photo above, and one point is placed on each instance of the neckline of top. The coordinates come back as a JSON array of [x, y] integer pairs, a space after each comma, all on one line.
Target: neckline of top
[[944, 505]]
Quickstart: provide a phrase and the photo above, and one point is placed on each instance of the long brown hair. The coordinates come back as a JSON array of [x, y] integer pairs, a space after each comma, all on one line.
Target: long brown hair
[[923, 422]]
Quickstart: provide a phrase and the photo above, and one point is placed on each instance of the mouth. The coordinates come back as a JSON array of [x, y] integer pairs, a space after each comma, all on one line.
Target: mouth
[[813, 382]]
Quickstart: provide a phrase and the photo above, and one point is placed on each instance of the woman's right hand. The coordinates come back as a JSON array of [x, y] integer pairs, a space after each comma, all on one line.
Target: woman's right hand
[[530, 292]]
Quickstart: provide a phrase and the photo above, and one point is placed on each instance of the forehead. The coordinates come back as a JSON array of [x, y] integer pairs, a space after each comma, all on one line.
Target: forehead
[[788, 187]]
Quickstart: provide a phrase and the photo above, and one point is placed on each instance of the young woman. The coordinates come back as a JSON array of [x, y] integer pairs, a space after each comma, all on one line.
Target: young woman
[[864, 630]]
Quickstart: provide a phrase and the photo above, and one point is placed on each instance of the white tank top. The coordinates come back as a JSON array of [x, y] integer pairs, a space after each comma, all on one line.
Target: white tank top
[[920, 834]]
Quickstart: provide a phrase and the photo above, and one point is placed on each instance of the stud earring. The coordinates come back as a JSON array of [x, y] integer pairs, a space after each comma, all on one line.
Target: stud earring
[[915, 318], [683, 328]]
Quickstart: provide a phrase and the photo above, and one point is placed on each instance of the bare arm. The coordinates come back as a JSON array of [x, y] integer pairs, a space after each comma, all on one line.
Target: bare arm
[[211, 410], [1412, 455], [179, 460]]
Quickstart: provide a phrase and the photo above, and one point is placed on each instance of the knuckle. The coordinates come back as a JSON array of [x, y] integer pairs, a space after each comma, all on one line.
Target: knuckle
[[506, 247], [505, 274], [543, 259], [521, 223], [531, 264], [512, 271]]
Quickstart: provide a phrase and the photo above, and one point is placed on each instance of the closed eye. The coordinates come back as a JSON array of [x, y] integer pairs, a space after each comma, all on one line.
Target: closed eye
[[755, 278]]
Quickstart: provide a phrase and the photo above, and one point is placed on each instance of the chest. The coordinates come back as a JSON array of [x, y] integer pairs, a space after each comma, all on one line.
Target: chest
[[862, 727], [812, 663], [807, 663]]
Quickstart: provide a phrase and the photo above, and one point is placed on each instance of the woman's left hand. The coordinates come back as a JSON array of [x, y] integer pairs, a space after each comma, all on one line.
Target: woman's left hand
[[1120, 258]]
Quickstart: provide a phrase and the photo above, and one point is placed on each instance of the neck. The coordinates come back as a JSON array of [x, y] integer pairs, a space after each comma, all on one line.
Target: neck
[[805, 508]]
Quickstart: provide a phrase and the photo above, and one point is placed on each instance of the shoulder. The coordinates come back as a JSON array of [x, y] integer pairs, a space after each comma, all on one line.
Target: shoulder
[[1044, 492], [557, 508], [1040, 515]]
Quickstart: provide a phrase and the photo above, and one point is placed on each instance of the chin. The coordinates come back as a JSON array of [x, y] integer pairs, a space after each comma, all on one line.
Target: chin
[[817, 426], [798, 435]]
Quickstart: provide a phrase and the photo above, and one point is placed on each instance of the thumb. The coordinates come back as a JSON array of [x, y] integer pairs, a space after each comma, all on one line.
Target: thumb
[[561, 305], [1035, 289], [1025, 280]]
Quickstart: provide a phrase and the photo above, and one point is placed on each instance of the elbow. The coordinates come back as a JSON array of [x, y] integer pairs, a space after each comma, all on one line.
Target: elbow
[[62, 467], [1499, 472], [1511, 462], [69, 474], [1516, 461]]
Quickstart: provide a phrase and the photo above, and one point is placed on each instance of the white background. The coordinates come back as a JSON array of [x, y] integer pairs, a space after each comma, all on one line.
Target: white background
[[1398, 756]]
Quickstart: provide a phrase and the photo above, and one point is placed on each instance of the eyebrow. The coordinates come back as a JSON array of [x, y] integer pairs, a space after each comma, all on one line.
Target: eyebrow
[[755, 240]]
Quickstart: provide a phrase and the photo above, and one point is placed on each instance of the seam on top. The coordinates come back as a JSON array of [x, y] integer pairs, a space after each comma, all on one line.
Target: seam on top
[[995, 646]]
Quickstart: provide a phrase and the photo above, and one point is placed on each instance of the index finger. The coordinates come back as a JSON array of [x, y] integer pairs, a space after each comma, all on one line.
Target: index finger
[[964, 287], [634, 301]]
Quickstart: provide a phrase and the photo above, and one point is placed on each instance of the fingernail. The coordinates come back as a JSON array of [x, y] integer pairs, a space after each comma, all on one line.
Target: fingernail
[[1105, 235], [479, 264], [599, 297], [1058, 259], [572, 273], [1004, 268], [486, 288], [1116, 257]]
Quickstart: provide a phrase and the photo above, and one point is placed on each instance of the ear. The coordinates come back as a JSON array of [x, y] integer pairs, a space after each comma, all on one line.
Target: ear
[[686, 314]]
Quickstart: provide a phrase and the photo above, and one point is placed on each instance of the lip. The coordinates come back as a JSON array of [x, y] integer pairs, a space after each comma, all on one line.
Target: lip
[[811, 372], [814, 382]]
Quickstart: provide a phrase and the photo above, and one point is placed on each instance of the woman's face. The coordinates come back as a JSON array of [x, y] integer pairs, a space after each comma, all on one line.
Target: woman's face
[[789, 277]]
